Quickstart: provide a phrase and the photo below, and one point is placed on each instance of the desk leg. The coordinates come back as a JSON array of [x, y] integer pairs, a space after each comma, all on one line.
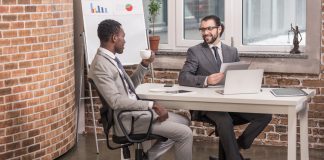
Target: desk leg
[[303, 116], [121, 154], [292, 128]]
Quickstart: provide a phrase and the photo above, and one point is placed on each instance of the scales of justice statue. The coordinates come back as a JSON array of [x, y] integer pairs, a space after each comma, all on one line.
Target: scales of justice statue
[[296, 42]]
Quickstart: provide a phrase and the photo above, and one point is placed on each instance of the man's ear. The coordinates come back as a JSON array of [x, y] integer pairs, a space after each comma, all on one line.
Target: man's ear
[[113, 38], [219, 29]]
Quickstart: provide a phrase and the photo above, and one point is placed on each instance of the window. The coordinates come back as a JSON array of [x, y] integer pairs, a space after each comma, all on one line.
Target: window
[[161, 21], [266, 24], [194, 11], [252, 26]]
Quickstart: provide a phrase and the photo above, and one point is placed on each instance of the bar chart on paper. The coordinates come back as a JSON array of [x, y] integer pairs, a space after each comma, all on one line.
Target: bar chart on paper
[[98, 8]]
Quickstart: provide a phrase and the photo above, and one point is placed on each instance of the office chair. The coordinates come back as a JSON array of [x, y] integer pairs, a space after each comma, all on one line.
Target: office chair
[[107, 120]]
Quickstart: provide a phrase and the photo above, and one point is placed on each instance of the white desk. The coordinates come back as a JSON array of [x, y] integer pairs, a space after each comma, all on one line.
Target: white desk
[[209, 100]]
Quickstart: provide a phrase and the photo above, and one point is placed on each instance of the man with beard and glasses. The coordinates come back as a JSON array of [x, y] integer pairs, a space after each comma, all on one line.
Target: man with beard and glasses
[[118, 89], [201, 69]]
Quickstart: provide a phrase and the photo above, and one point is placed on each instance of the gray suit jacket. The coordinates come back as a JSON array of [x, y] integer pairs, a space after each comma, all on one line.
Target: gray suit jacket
[[110, 84], [201, 63]]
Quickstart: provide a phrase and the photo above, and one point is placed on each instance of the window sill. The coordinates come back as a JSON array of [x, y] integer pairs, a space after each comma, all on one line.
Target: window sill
[[272, 55], [269, 61], [242, 54]]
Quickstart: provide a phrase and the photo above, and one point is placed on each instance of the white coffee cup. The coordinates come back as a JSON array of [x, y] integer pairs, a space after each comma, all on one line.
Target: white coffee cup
[[145, 54]]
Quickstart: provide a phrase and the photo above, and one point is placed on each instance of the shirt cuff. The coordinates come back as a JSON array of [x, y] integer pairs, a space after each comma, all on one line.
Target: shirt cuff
[[205, 83], [144, 66], [151, 103]]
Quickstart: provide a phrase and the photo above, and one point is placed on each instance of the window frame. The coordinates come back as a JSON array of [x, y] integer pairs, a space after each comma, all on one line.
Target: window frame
[[233, 35], [312, 48]]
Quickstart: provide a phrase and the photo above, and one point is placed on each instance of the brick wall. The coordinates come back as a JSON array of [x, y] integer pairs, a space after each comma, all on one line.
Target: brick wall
[[276, 132], [37, 113]]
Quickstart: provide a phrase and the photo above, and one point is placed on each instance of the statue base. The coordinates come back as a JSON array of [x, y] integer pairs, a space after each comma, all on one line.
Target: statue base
[[295, 51]]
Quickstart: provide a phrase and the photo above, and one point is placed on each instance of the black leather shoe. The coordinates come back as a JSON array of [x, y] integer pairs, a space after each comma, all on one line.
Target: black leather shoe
[[213, 157]]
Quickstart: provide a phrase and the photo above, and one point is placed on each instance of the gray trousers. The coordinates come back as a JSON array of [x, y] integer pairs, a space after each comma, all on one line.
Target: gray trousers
[[179, 135]]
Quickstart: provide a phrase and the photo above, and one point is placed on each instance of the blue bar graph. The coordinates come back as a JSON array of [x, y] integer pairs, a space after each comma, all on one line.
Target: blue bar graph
[[98, 9]]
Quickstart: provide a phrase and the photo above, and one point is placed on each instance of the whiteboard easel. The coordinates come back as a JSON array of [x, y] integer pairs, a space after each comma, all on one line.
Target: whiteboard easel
[[129, 13]]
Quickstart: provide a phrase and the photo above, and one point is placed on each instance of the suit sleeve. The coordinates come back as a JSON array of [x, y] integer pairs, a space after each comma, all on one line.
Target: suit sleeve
[[188, 75], [105, 80], [138, 75]]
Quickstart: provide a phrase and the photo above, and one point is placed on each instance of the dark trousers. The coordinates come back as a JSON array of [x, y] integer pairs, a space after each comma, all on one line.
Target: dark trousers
[[225, 122]]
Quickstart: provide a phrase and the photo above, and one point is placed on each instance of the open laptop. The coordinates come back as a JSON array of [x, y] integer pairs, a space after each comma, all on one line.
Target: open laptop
[[243, 81]]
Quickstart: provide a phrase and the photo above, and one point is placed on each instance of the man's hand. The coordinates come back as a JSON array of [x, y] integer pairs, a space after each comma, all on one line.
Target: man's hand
[[215, 78], [146, 62], [162, 112]]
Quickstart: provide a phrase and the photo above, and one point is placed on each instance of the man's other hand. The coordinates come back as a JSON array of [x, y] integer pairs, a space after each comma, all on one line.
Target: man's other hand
[[146, 62], [215, 78], [162, 112]]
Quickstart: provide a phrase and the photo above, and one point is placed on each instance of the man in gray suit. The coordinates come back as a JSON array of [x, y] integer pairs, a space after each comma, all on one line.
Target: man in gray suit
[[201, 69], [118, 89]]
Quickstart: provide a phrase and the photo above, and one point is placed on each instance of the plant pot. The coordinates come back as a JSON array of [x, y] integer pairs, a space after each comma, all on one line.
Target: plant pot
[[154, 43]]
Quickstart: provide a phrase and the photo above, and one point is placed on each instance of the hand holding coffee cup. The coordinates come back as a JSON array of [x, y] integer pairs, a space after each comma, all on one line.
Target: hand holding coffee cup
[[145, 54], [147, 57]]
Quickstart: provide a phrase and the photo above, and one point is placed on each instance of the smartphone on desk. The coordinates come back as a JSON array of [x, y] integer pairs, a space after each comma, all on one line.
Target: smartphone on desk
[[178, 91], [168, 85]]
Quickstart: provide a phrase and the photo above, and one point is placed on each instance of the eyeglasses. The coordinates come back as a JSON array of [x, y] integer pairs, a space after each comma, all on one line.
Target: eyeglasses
[[210, 28]]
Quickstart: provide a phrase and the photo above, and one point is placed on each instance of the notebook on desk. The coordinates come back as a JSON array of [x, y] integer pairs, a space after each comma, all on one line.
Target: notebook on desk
[[288, 92], [243, 82]]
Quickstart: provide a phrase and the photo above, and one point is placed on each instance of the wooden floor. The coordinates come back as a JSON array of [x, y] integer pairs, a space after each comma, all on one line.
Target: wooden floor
[[86, 150]]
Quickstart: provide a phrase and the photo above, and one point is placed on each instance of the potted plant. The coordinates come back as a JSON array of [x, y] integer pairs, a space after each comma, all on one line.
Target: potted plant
[[154, 7]]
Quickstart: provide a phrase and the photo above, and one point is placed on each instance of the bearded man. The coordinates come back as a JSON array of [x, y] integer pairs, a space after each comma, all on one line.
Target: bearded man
[[201, 69]]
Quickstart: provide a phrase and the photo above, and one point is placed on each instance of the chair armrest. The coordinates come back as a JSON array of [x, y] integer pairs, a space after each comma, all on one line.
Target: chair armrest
[[124, 130]]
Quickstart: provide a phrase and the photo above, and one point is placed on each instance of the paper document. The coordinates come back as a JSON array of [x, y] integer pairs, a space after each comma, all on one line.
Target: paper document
[[234, 66]]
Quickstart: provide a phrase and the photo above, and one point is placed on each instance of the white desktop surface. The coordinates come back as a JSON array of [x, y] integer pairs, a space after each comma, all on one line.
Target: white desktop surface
[[264, 102]]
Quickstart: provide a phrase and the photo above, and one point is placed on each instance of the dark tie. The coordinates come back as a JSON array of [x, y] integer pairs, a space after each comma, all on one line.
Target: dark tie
[[120, 66], [218, 60]]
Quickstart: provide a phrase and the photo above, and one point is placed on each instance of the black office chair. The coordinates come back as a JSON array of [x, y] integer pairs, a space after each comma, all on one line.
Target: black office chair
[[124, 142]]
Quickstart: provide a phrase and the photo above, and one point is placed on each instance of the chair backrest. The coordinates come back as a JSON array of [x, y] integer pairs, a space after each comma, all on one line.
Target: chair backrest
[[106, 112]]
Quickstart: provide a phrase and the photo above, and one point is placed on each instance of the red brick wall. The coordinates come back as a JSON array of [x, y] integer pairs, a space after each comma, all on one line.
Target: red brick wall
[[37, 113]]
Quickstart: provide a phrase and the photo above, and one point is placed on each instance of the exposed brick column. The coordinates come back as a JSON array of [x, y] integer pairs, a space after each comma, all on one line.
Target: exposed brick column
[[37, 112]]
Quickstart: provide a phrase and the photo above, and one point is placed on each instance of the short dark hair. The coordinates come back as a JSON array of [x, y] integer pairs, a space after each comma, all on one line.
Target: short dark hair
[[216, 20], [108, 28]]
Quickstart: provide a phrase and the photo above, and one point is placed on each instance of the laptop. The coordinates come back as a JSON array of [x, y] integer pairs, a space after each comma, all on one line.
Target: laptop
[[243, 81]]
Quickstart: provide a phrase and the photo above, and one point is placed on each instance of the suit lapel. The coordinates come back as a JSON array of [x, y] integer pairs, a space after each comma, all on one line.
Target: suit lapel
[[125, 74], [226, 54]]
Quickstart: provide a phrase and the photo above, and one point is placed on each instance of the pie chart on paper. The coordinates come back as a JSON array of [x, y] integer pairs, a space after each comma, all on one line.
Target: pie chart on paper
[[129, 7]]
